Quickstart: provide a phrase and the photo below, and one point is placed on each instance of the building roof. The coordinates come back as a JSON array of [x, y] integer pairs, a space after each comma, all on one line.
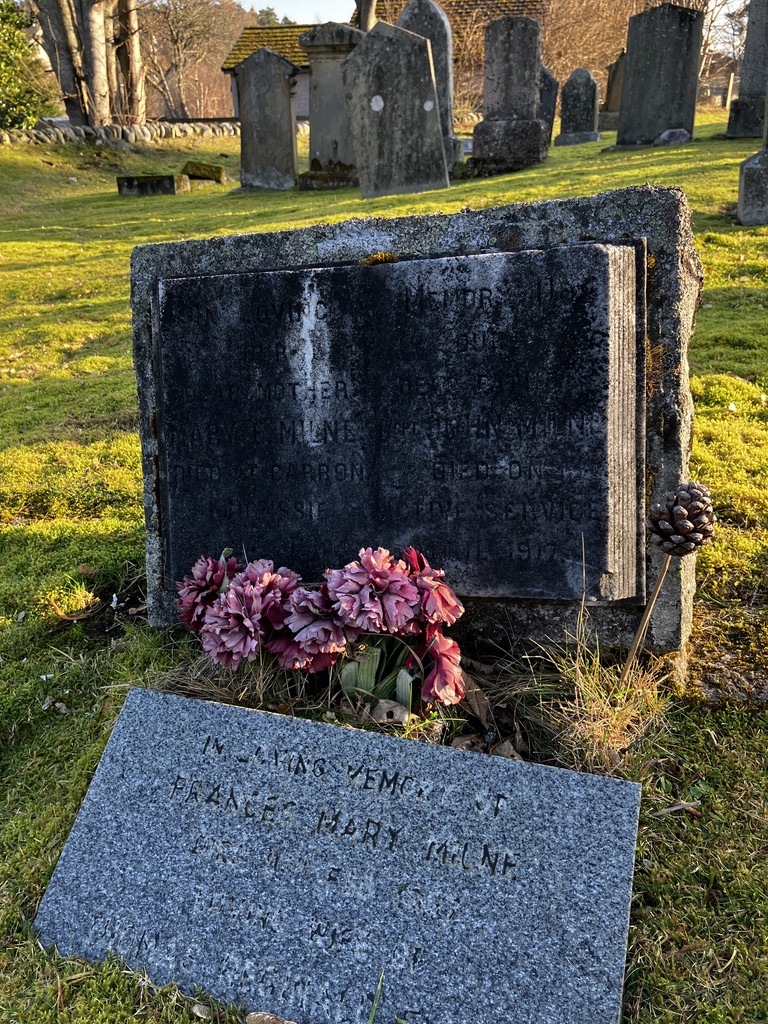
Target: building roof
[[461, 11], [283, 39]]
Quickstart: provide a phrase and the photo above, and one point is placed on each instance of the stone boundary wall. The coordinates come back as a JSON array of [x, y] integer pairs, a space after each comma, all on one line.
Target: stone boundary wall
[[48, 134]]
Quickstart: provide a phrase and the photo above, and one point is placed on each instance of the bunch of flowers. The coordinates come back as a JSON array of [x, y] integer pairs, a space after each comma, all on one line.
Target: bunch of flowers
[[241, 610]]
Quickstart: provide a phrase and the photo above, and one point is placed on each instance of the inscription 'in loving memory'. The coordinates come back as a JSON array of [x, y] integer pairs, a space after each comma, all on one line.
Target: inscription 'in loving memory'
[[354, 826]]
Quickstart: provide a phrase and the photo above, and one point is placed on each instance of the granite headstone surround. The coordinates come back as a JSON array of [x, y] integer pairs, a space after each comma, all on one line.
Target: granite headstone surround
[[659, 215], [282, 864], [746, 116], [394, 115], [661, 73], [266, 86], [425, 18], [578, 123]]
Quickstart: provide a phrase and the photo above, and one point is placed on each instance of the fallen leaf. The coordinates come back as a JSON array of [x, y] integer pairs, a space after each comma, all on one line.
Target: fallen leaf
[[266, 1018], [478, 704], [61, 708], [21, 616], [74, 618], [471, 742], [506, 749], [678, 807], [389, 712], [201, 1010], [86, 570], [137, 610]]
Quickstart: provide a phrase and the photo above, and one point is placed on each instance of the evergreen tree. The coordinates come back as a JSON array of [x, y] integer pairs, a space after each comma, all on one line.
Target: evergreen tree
[[25, 93]]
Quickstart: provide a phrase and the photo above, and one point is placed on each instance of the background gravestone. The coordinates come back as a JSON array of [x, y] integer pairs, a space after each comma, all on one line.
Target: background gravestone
[[752, 206], [548, 91], [746, 116], [658, 215], [425, 18], [266, 83], [331, 151], [510, 136], [661, 73], [282, 864], [393, 112], [608, 119], [578, 120]]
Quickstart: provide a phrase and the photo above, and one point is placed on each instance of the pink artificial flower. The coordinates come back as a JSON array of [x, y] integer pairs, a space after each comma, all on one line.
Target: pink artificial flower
[[445, 683], [375, 594], [318, 635], [198, 591], [275, 587], [233, 628], [439, 604]]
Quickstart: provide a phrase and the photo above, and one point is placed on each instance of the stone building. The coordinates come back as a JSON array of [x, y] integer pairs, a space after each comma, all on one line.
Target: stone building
[[284, 40]]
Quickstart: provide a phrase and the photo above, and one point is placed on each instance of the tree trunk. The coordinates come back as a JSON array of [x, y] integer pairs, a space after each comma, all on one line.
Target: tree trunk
[[96, 51], [131, 64], [65, 51], [366, 14]]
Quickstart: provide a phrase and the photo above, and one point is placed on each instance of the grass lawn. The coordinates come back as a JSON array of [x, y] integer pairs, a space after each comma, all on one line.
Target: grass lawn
[[71, 536]]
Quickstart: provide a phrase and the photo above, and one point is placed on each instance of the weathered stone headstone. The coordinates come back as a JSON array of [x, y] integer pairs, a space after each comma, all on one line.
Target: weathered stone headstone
[[510, 136], [578, 119], [746, 117], [283, 864], [615, 85], [205, 172], [425, 18], [752, 208], [548, 91], [394, 117], [152, 184], [440, 369], [661, 73], [331, 153], [266, 83]]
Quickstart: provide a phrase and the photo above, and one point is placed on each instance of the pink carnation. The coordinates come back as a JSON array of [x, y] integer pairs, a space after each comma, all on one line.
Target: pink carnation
[[233, 626], [318, 636], [275, 587], [439, 604], [445, 683], [198, 591], [375, 594]]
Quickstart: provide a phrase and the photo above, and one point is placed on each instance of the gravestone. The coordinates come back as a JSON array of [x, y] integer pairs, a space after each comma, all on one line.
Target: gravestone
[[746, 116], [578, 120], [394, 118], [449, 372], [266, 83], [205, 172], [152, 184], [282, 864], [661, 73], [425, 18], [752, 208], [548, 100], [331, 153], [510, 136]]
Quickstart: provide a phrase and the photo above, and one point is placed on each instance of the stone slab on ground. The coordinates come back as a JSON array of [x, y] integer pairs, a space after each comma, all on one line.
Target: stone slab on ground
[[205, 172], [282, 864], [152, 184]]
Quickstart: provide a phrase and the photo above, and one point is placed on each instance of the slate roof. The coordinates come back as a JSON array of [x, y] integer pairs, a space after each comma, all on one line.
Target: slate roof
[[283, 39], [458, 11]]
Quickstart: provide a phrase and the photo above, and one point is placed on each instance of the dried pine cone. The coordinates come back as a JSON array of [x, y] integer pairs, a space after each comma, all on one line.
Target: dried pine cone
[[684, 522]]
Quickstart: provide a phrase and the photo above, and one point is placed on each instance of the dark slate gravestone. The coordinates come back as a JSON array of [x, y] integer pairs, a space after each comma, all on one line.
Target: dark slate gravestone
[[578, 122], [659, 215], [284, 864], [152, 184], [512, 430]]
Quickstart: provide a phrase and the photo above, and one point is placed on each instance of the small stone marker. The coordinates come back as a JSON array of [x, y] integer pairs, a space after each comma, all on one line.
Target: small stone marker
[[394, 115], [578, 122], [425, 18], [204, 172], [746, 116], [548, 100], [283, 864], [661, 73], [331, 152], [266, 84], [152, 184], [510, 136], [752, 207]]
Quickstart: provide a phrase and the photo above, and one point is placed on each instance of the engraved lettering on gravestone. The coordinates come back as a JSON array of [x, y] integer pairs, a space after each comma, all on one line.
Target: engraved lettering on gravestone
[[282, 863], [482, 408]]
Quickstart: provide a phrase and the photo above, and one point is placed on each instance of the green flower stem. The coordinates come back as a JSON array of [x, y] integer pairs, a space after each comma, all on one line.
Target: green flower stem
[[643, 627]]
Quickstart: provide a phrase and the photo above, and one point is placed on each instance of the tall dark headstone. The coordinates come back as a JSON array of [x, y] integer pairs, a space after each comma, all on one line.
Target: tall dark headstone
[[548, 91], [266, 83], [578, 119], [282, 864], [510, 136], [442, 369], [608, 118], [331, 152], [661, 73], [752, 208], [393, 111], [425, 18], [746, 118]]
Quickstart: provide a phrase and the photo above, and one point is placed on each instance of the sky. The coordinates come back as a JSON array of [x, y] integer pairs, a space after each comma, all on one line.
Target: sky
[[308, 12]]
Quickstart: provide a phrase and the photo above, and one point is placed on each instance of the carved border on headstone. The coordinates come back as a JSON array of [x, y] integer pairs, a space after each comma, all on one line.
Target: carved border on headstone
[[658, 215]]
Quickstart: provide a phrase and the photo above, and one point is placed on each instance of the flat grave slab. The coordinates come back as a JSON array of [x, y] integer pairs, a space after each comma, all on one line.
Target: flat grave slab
[[487, 409], [284, 864], [152, 184]]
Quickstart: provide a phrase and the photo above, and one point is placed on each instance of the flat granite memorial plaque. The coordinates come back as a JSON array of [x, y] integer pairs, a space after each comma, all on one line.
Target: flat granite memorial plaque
[[487, 409], [284, 864]]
